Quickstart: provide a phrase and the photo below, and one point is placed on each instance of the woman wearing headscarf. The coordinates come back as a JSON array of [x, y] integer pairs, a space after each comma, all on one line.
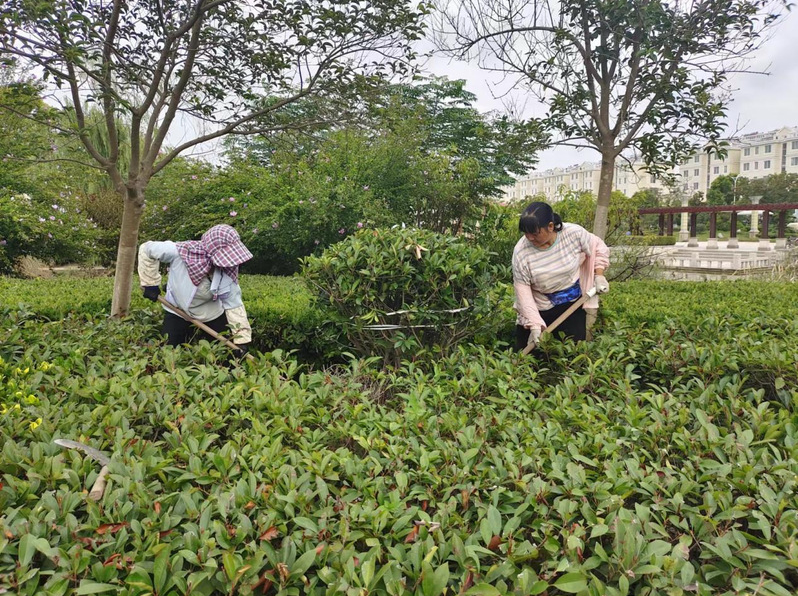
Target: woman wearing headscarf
[[554, 263], [203, 281]]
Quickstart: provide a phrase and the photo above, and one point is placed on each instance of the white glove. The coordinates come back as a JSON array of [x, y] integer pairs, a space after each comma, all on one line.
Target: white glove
[[602, 285], [534, 336]]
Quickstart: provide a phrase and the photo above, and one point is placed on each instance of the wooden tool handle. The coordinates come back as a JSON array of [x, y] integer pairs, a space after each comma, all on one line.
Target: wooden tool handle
[[201, 325], [559, 320], [96, 492]]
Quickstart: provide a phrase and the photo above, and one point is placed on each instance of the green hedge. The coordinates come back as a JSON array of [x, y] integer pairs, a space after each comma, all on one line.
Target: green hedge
[[279, 308], [660, 459]]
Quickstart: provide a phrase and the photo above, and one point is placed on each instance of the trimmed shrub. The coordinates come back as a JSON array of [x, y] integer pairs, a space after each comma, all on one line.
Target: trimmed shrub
[[397, 293]]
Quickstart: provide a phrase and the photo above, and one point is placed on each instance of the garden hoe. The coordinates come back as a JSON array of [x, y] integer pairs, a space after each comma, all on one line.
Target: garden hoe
[[96, 492], [200, 324], [558, 321]]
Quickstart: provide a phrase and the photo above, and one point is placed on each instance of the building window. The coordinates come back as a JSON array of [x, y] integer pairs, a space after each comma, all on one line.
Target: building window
[[696, 158], [746, 167], [695, 172], [747, 151], [795, 144], [756, 165], [653, 179], [686, 186], [768, 148], [716, 170], [756, 150], [766, 164], [695, 185], [725, 169]]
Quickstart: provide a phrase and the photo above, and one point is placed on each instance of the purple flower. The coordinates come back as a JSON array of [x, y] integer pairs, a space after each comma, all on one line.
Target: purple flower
[[52, 218], [300, 202], [316, 242], [49, 235], [233, 214], [193, 176], [342, 231], [275, 225], [165, 207], [366, 187], [42, 219], [3, 242], [360, 224], [232, 199], [55, 206]]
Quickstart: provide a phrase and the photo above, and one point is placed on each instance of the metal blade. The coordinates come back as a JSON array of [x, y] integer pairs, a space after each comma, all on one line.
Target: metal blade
[[90, 451]]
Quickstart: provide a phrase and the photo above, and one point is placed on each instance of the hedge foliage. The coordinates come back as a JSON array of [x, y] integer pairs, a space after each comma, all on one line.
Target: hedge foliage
[[395, 293], [279, 308], [660, 459]]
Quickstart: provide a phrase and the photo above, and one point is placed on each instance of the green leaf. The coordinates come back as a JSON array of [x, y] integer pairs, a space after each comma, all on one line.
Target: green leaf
[[303, 563], [27, 548], [571, 583], [306, 523], [89, 587], [159, 569]]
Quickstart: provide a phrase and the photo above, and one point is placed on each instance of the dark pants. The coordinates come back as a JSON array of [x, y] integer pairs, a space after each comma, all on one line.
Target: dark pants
[[574, 326], [179, 331]]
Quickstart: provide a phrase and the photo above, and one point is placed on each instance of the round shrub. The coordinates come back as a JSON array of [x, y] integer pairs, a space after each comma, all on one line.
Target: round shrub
[[401, 293]]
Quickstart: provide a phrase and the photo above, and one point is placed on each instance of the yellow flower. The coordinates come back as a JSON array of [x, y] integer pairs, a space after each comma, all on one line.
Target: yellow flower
[[35, 423], [45, 366], [32, 399]]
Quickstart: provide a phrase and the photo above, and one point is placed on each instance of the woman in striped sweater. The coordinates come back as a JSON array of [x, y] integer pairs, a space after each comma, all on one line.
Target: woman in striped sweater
[[553, 264]]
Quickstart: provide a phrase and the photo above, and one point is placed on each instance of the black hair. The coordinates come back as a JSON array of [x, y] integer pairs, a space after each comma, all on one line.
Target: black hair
[[538, 215]]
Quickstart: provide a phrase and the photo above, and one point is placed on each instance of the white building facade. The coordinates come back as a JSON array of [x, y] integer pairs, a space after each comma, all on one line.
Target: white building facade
[[754, 155], [629, 179]]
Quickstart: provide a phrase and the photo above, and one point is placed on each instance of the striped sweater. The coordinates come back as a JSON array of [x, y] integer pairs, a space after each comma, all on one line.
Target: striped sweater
[[537, 271]]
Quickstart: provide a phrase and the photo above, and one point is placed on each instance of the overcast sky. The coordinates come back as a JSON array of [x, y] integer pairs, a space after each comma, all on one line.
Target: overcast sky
[[761, 102]]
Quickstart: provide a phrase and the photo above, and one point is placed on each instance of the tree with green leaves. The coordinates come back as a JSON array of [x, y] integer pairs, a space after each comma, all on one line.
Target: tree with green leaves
[[616, 75], [203, 68]]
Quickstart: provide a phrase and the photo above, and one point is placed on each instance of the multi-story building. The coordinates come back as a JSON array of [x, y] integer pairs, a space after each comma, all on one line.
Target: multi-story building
[[581, 177], [754, 155]]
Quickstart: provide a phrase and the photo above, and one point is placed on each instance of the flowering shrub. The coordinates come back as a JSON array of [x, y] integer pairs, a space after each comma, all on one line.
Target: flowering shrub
[[55, 231]]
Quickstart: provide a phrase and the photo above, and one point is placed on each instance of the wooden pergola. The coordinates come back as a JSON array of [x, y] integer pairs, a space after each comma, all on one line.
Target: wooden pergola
[[666, 218]]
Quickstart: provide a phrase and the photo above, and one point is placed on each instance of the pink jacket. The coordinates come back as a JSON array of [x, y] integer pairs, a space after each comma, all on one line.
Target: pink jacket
[[528, 314]]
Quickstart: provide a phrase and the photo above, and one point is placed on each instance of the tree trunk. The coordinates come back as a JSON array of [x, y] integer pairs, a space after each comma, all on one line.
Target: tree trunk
[[604, 192], [126, 252]]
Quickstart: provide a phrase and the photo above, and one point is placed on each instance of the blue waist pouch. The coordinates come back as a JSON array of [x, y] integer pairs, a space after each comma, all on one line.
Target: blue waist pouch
[[566, 295]]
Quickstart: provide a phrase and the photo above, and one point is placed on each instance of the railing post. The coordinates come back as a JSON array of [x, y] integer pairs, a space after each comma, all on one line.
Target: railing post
[[693, 241], [781, 233], [670, 224], [713, 231], [764, 238], [733, 242], [661, 224]]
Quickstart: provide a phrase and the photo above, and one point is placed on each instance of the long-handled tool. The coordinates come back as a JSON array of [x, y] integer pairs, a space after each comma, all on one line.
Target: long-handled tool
[[559, 320], [96, 492], [200, 324]]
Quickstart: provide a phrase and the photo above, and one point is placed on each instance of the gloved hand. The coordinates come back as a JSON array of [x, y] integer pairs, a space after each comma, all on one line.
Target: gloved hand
[[534, 336], [602, 285], [151, 292]]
